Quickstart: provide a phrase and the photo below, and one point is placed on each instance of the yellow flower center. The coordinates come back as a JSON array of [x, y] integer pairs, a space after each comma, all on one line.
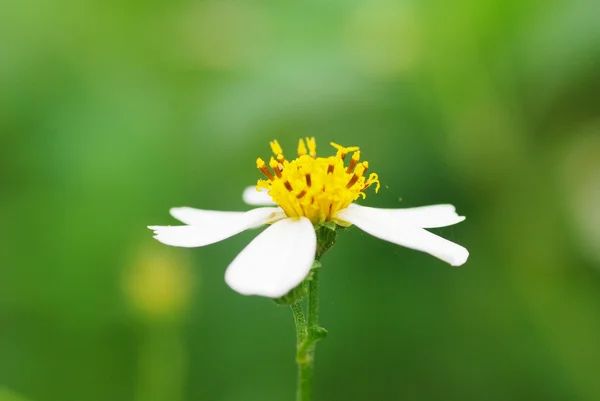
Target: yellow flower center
[[315, 187]]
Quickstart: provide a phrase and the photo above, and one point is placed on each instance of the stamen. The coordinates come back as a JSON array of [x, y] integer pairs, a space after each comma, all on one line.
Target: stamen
[[315, 187], [301, 148], [353, 161], [373, 179], [312, 147], [262, 166], [262, 184], [275, 166], [335, 145], [343, 151], [352, 181], [276, 148], [360, 170]]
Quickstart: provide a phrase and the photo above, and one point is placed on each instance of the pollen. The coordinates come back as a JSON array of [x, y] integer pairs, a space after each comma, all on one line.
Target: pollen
[[315, 187]]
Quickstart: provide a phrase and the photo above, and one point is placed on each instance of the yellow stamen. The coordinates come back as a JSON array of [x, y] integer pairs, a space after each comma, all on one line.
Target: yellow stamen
[[274, 164], [312, 146], [262, 166], [352, 181], [315, 187], [343, 151], [373, 179], [301, 148], [276, 148], [362, 167], [353, 161]]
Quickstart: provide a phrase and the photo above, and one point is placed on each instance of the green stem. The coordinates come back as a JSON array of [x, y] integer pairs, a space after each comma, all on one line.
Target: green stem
[[308, 333], [313, 299], [299, 321]]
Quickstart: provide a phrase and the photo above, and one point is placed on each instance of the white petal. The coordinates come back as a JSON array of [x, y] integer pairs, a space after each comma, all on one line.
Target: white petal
[[276, 261], [204, 218], [425, 216], [209, 226], [394, 230], [255, 197]]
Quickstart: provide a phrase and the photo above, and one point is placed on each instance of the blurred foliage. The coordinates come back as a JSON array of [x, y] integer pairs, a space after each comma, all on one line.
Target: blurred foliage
[[112, 112]]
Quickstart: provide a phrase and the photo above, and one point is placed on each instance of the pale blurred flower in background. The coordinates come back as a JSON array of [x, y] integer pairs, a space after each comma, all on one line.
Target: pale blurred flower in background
[[159, 283]]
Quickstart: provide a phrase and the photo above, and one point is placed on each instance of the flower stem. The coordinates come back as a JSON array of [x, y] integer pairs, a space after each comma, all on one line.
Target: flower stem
[[313, 299], [299, 321], [308, 332]]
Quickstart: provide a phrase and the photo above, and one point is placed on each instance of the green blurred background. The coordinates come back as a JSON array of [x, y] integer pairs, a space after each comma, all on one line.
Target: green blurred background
[[112, 112]]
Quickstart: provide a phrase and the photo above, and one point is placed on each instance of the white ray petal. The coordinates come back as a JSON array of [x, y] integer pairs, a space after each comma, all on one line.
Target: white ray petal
[[211, 226], [394, 230], [433, 216], [276, 261], [255, 197], [200, 217]]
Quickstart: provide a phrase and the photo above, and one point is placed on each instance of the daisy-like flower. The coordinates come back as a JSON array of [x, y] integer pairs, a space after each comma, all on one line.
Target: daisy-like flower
[[302, 194]]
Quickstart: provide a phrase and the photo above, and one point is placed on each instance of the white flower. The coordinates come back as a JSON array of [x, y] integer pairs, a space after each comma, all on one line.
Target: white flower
[[308, 191]]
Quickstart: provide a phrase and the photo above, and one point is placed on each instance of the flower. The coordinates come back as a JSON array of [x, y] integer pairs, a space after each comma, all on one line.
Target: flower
[[304, 193]]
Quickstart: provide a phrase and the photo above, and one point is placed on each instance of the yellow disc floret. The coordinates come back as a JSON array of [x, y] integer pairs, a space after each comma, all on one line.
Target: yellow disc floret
[[315, 187]]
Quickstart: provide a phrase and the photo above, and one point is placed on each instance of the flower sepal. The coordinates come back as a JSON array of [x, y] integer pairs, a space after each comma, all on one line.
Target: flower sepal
[[326, 236], [294, 295]]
